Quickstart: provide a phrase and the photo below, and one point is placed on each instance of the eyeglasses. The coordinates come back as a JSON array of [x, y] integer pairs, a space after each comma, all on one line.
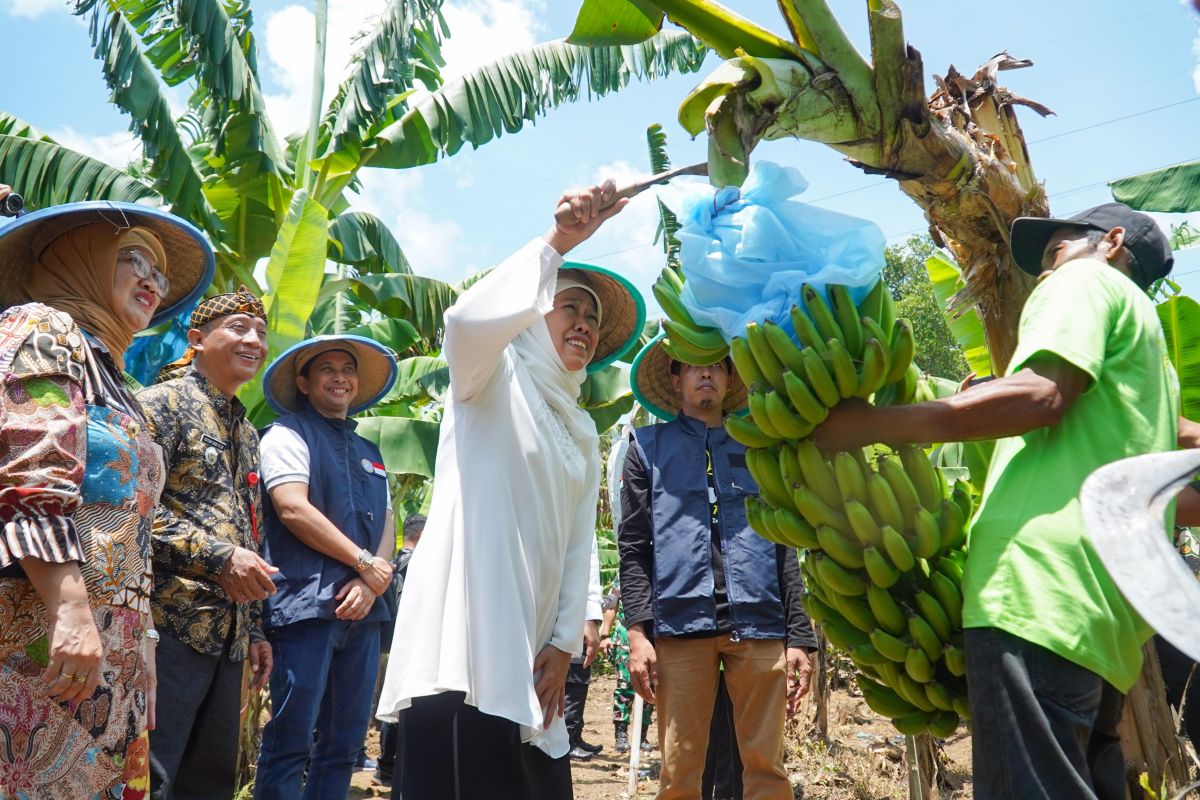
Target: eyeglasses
[[143, 268]]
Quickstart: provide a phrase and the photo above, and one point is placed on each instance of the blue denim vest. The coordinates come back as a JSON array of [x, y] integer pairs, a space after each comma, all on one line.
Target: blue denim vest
[[342, 485], [674, 457]]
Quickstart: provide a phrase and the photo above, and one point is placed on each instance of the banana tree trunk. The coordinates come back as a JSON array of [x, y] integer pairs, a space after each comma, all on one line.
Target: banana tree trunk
[[1148, 728]]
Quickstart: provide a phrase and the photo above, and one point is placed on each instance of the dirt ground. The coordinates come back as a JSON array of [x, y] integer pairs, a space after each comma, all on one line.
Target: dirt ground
[[861, 759]]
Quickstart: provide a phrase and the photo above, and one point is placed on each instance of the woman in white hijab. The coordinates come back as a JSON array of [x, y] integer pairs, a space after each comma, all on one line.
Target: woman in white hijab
[[493, 603]]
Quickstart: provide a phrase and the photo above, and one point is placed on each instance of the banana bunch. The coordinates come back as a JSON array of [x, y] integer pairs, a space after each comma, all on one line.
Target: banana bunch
[[687, 340], [881, 533]]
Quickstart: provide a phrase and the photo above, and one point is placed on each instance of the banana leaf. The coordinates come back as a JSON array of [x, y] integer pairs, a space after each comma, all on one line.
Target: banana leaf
[[364, 242], [609, 22], [409, 446], [964, 324], [398, 334], [420, 300], [46, 173], [1172, 189], [1180, 318], [410, 374]]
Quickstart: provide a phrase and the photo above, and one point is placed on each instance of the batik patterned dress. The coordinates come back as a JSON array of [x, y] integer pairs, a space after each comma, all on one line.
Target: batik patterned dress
[[78, 481]]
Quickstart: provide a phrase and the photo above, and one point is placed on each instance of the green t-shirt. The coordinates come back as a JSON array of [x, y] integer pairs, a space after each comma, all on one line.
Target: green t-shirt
[[1032, 570]]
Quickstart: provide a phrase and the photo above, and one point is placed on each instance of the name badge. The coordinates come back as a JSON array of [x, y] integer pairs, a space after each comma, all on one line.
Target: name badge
[[213, 441]]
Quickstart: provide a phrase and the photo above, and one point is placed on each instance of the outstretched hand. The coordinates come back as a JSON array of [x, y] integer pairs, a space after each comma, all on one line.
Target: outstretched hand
[[586, 206]]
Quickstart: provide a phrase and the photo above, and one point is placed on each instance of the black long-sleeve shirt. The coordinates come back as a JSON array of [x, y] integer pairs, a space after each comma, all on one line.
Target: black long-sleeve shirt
[[635, 546]]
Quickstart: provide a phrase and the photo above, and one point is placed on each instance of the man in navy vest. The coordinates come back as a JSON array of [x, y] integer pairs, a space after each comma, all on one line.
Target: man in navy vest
[[701, 589], [329, 532]]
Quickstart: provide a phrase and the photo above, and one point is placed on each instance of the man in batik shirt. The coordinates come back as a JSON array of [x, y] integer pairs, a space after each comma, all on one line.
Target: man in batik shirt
[[208, 576]]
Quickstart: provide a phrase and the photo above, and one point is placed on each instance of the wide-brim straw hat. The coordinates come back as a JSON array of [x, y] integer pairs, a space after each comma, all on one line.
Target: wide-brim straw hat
[[190, 263], [376, 371], [623, 312], [651, 381]]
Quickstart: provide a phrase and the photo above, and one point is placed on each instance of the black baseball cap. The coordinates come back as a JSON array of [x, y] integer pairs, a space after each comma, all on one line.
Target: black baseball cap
[[1152, 258]]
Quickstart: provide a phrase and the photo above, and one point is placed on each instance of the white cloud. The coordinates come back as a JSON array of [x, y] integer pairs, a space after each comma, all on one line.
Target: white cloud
[[116, 149], [484, 30], [32, 9], [1196, 72]]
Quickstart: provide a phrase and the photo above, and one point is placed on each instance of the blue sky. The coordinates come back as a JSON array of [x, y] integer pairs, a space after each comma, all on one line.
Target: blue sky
[[1122, 77]]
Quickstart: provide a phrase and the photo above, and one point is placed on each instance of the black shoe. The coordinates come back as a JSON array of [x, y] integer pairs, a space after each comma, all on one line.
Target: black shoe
[[380, 778], [591, 748], [620, 737], [647, 746], [579, 754]]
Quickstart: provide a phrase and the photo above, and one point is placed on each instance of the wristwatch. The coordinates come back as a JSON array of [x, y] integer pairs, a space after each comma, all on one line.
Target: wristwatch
[[365, 559]]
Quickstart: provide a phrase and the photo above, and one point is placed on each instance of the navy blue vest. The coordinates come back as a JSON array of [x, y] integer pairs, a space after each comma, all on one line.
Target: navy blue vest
[[344, 486], [673, 454]]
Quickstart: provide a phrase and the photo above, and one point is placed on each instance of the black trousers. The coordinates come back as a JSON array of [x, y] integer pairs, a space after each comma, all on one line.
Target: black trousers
[[193, 751], [723, 764], [579, 678], [453, 751], [1044, 727]]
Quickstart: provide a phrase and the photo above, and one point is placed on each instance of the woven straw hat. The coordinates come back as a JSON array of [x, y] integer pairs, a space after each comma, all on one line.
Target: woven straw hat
[[651, 382], [376, 371], [190, 263], [623, 312]]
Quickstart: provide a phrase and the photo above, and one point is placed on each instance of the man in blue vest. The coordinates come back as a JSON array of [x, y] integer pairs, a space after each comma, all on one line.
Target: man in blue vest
[[329, 532], [701, 589]]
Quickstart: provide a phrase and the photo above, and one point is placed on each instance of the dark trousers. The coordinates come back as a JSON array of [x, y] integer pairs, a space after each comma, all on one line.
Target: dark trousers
[[453, 751], [391, 743], [723, 765], [323, 679], [578, 679], [1177, 675], [1044, 727], [193, 751]]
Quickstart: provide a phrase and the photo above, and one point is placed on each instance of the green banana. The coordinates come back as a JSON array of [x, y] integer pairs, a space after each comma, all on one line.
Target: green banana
[[803, 400], [903, 490], [950, 568], [879, 569], [668, 299], [846, 314], [754, 518], [889, 671], [874, 369], [696, 338], [815, 510], [843, 635], [787, 351], [887, 611], [924, 636], [912, 724], [962, 498], [789, 467], [844, 375], [672, 279], [918, 665], [768, 363], [944, 725], [863, 524], [819, 378], [948, 596], [743, 430], [794, 529], [941, 697], [912, 691], [818, 611], [883, 699], [872, 330], [767, 520], [685, 353], [821, 314], [892, 648], [952, 526], [743, 361], [887, 313], [962, 707], [897, 549], [818, 474], [856, 612], [933, 613], [757, 400], [928, 540], [866, 653], [849, 477], [806, 331], [872, 304], [883, 501], [839, 579], [783, 419], [764, 468], [925, 477], [845, 552], [955, 660], [907, 388], [903, 345]]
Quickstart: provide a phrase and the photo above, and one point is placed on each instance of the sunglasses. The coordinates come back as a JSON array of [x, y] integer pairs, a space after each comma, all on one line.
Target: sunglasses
[[144, 268]]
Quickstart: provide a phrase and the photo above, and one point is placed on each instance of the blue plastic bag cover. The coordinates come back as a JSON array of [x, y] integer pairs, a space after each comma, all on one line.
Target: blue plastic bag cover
[[746, 253]]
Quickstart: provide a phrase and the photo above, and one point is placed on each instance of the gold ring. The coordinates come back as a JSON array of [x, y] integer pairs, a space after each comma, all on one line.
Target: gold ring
[[79, 678]]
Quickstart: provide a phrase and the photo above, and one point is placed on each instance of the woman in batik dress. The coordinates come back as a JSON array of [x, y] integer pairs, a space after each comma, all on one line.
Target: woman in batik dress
[[79, 477]]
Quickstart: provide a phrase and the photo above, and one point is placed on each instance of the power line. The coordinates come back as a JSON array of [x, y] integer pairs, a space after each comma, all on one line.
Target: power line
[[1115, 119]]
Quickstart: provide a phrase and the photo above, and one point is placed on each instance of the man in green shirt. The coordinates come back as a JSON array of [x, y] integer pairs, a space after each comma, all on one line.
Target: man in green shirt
[[1051, 644]]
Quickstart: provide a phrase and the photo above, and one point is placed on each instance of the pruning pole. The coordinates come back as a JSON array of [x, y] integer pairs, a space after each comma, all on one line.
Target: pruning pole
[[915, 790], [635, 748]]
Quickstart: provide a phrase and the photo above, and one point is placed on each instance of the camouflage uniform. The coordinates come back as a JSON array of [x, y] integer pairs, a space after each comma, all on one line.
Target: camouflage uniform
[[619, 655]]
